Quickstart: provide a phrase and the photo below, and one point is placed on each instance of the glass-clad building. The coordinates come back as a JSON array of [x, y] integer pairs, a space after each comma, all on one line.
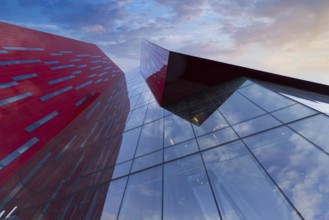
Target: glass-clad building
[[178, 138]]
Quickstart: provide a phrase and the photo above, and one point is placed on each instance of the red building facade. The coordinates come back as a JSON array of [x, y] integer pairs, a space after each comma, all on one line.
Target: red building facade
[[60, 99]]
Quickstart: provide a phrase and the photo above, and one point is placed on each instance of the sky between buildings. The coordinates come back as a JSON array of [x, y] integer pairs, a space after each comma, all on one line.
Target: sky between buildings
[[288, 37]]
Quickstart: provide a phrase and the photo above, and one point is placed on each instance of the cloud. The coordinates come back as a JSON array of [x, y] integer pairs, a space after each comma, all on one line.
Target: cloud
[[97, 28], [182, 11], [51, 27], [273, 35], [273, 23]]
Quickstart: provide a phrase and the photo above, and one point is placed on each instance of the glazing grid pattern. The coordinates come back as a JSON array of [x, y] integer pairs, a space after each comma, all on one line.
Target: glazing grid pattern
[[264, 162]]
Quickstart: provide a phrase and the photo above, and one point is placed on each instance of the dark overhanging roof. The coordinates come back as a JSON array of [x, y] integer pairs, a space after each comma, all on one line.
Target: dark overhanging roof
[[172, 76]]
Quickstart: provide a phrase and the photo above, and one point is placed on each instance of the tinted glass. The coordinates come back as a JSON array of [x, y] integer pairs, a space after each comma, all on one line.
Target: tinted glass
[[151, 138], [213, 123], [242, 189], [299, 168], [293, 113], [315, 129], [136, 118], [142, 199], [255, 125], [113, 199], [187, 194], [237, 108], [177, 130], [128, 145], [180, 150], [265, 98], [154, 112], [143, 99], [147, 161], [219, 137], [121, 169]]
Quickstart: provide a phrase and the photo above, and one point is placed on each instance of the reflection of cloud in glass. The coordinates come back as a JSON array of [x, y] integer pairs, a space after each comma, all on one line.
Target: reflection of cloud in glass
[[242, 190], [177, 130], [299, 168]]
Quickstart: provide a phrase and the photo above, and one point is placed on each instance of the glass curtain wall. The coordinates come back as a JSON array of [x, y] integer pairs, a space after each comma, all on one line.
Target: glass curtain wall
[[256, 155]]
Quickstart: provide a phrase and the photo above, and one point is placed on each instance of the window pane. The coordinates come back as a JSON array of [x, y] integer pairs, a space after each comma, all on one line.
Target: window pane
[[180, 150], [143, 99], [256, 125], [242, 189], [151, 138], [216, 138], [299, 168], [293, 113], [315, 129], [128, 145], [142, 199], [177, 130], [122, 169], [265, 98], [154, 112], [136, 118], [113, 199], [213, 123], [237, 108], [147, 161], [187, 194]]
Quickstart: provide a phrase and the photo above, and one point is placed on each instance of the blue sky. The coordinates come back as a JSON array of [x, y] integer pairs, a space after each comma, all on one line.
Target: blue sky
[[289, 37]]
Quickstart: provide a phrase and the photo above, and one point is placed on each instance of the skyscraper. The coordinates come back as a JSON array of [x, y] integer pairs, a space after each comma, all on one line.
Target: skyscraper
[[191, 139]]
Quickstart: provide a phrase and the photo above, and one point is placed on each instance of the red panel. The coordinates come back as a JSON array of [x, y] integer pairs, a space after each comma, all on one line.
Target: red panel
[[71, 153]]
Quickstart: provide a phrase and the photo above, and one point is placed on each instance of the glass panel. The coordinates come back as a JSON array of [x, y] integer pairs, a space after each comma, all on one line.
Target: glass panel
[[136, 118], [293, 113], [177, 130], [315, 129], [299, 168], [122, 169], [133, 102], [113, 199], [142, 199], [143, 99], [128, 145], [242, 189], [217, 138], [180, 150], [187, 194], [213, 123], [151, 138], [147, 161], [256, 125], [246, 83], [154, 112], [265, 98], [237, 108]]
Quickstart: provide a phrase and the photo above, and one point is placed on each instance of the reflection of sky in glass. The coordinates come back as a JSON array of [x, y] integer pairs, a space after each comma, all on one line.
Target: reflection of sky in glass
[[113, 199], [242, 189], [237, 109], [315, 104], [151, 138], [265, 98], [299, 168], [255, 125], [177, 130], [143, 198], [187, 194], [128, 145], [315, 129], [213, 123], [293, 113]]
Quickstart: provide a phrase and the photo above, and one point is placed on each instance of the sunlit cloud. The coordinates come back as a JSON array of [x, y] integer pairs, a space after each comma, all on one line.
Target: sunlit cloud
[[282, 36], [97, 28]]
